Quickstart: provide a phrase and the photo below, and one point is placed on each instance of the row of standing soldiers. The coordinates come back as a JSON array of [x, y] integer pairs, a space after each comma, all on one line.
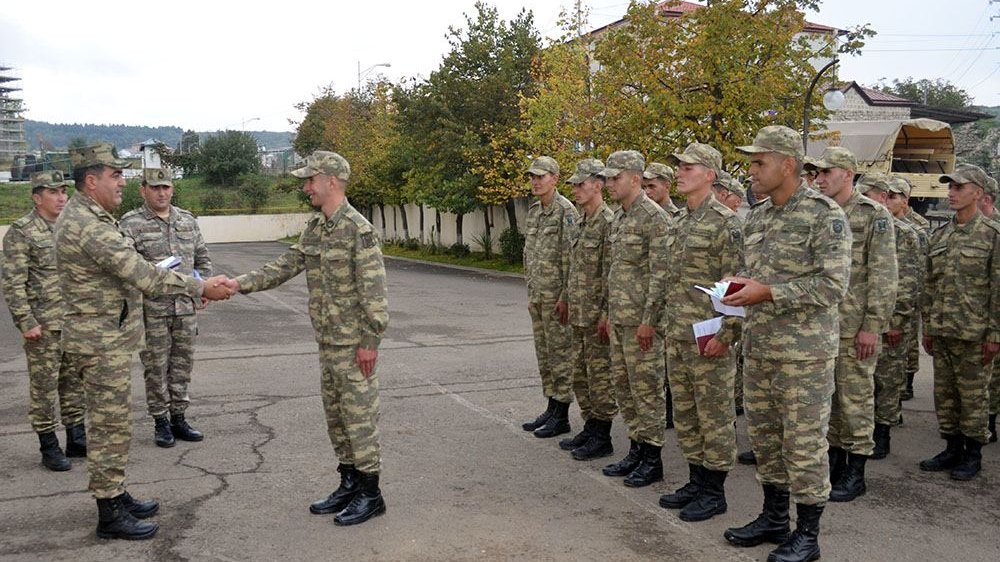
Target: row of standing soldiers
[[836, 280]]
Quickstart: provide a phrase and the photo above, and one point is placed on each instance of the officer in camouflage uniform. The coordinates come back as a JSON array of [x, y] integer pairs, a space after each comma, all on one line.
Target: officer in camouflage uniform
[[960, 306], [729, 191], [705, 246], [797, 247], [912, 343], [864, 316], [987, 206], [551, 227], [890, 373], [30, 287], [103, 279], [160, 230], [587, 294], [636, 293], [342, 257]]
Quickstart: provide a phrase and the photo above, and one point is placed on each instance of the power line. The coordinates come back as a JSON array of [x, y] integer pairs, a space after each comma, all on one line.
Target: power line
[[929, 50]]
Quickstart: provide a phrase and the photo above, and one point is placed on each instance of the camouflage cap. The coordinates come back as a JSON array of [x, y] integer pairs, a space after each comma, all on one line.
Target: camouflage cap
[[623, 160], [584, 169], [833, 157], [776, 138], [326, 163], [734, 186], [48, 178], [992, 189], [873, 182], [543, 165], [158, 176], [100, 153], [967, 173], [900, 185], [655, 170], [698, 153]]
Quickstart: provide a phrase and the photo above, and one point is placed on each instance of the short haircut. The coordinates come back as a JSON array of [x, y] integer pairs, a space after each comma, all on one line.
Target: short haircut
[[80, 174]]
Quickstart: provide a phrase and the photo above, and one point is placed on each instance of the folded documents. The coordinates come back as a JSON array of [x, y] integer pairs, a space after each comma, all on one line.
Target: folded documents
[[724, 289], [169, 263], [706, 330]]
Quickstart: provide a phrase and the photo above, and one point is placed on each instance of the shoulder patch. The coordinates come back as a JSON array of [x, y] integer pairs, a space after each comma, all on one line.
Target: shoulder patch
[[570, 221], [837, 227], [881, 225], [736, 235], [368, 239]]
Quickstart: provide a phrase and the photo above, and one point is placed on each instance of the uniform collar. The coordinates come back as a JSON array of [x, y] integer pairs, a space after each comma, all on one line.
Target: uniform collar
[[94, 207], [39, 220], [151, 214]]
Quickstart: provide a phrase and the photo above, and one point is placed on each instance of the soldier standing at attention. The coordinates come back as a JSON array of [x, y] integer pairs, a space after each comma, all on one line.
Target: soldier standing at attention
[[704, 246], [550, 228], [960, 306], [102, 279], [31, 289], [797, 247], [987, 206], [587, 294], [159, 231], [912, 343], [864, 316], [729, 192], [636, 296], [342, 257]]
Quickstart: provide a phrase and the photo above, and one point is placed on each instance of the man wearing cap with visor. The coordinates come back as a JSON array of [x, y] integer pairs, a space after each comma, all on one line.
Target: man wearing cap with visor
[[729, 192], [987, 206], [103, 280], [960, 308], [899, 206], [31, 289], [797, 248]]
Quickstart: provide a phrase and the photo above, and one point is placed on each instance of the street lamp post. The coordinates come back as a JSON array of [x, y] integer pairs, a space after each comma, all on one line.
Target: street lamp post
[[808, 104], [367, 70], [243, 123]]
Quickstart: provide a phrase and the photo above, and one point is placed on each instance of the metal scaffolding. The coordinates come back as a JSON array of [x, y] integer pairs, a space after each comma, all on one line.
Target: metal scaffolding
[[12, 141]]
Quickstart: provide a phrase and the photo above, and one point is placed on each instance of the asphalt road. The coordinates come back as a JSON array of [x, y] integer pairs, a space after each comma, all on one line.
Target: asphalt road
[[461, 480]]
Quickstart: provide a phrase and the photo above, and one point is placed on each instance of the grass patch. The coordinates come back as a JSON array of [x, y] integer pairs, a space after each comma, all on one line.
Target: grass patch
[[15, 201], [474, 259]]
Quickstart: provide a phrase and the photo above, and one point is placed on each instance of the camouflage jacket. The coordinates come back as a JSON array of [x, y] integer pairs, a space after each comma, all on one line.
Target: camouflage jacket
[[916, 218], [103, 280], [157, 239], [548, 234], [704, 246], [802, 250], [672, 210], [637, 273], [961, 296], [30, 282], [910, 266], [587, 288], [342, 258], [871, 293]]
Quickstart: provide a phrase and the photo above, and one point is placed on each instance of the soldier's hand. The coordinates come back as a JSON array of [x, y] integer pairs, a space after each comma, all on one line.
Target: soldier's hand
[[752, 293], [929, 345], [33, 334], [216, 289], [562, 312], [365, 359], [865, 344], [603, 332], [715, 348], [990, 351], [894, 337], [233, 285], [644, 335]]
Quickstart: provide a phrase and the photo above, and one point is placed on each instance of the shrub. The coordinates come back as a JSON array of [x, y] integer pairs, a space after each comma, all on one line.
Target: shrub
[[512, 245], [254, 191], [131, 199], [459, 250], [213, 200], [485, 241], [411, 244]]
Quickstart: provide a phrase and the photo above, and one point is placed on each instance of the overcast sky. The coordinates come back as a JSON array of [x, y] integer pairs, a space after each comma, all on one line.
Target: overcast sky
[[210, 65]]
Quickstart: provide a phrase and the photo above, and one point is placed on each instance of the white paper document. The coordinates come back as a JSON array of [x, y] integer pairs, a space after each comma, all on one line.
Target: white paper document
[[169, 263], [705, 330], [719, 290]]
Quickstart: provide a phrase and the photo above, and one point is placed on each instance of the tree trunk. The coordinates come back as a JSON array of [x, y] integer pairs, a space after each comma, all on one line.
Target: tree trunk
[[406, 226], [458, 227], [381, 212], [436, 237], [423, 229], [487, 232], [511, 213]]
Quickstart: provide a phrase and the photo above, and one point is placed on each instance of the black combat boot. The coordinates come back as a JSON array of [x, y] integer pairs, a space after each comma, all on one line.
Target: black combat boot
[[747, 457], [972, 458], [907, 393], [803, 545], [542, 418], [52, 456], [838, 463], [628, 463], [138, 509], [669, 423], [772, 525], [161, 432], [115, 522], [366, 504], [650, 468], [712, 499], [579, 439], [852, 483], [947, 459], [993, 428], [599, 443], [350, 485], [557, 424], [686, 493], [183, 430], [882, 437], [76, 441]]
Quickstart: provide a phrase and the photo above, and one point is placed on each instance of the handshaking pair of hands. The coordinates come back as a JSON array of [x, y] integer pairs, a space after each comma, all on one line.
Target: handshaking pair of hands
[[219, 288]]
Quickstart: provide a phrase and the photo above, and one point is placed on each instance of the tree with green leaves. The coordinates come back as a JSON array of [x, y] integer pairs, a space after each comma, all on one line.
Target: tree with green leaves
[[227, 155], [936, 93]]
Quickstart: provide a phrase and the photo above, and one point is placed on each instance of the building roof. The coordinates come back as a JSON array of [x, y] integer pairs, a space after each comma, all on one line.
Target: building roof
[[877, 98], [952, 116]]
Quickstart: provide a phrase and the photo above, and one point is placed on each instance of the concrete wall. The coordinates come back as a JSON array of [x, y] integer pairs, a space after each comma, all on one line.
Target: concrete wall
[[473, 224], [857, 109]]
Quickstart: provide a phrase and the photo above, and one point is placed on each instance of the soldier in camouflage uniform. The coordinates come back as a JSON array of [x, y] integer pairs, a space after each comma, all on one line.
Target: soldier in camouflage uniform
[[729, 191], [30, 287], [923, 227], [636, 294], [797, 247], [342, 257], [960, 306], [864, 316], [705, 245], [551, 227], [103, 279], [587, 293], [987, 206], [890, 373], [657, 182], [159, 231]]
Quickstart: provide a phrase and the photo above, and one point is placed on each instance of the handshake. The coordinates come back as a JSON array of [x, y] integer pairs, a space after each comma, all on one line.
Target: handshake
[[218, 288]]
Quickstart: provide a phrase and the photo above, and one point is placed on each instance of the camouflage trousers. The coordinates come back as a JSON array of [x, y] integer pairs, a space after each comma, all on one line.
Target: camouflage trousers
[[704, 413], [890, 380], [107, 383], [852, 411], [961, 388], [994, 371], [52, 383], [167, 361], [639, 384], [912, 340], [553, 349], [738, 396], [788, 414], [352, 408], [592, 382]]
